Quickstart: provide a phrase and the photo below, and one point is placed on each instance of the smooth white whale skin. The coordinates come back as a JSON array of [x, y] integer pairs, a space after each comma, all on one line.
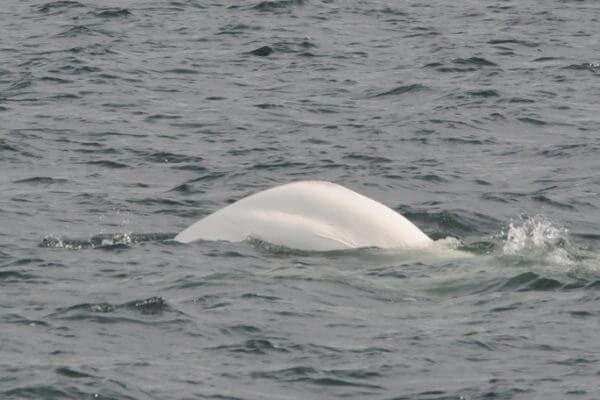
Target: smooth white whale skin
[[309, 215]]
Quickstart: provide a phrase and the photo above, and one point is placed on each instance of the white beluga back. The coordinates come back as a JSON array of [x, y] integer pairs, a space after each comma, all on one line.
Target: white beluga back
[[309, 215]]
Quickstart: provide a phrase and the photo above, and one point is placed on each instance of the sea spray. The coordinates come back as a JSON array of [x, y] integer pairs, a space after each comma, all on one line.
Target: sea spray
[[538, 237]]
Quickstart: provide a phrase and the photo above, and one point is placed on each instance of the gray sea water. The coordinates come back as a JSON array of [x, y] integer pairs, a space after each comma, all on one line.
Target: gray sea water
[[123, 122]]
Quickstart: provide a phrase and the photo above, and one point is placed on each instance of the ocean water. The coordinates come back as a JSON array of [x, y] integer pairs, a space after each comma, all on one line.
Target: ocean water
[[123, 122]]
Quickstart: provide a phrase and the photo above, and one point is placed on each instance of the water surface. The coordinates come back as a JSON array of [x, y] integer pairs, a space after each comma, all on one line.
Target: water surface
[[124, 122]]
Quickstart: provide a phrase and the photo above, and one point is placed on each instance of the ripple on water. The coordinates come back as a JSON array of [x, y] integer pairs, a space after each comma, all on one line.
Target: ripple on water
[[455, 223], [111, 13], [531, 281], [172, 158], [150, 311], [276, 5], [484, 93], [21, 320], [592, 67], [75, 31], [60, 6], [262, 51], [72, 373], [401, 90], [41, 181], [46, 392], [12, 276], [105, 241], [108, 164]]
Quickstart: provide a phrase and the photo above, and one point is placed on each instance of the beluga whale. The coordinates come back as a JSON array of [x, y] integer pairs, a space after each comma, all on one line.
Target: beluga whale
[[311, 216]]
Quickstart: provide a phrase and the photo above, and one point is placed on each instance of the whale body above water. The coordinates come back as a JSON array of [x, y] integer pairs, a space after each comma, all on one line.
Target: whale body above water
[[309, 215]]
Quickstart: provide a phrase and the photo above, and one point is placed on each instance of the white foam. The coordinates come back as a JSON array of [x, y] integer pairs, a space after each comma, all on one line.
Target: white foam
[[538, 237]]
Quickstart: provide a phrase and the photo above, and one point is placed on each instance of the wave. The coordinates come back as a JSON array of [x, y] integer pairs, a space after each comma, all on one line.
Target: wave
[[538, 238], [532, 253], [105, 240]]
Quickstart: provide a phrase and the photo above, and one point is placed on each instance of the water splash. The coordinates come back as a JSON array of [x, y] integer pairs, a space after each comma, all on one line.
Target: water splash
[[108, 240], [538, 237]]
